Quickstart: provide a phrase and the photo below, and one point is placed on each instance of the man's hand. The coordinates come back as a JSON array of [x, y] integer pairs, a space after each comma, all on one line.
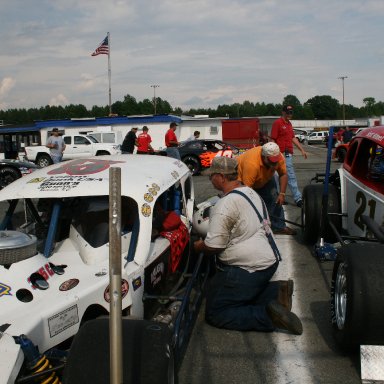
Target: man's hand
[[280, 198], [305, 154], [198, 246]]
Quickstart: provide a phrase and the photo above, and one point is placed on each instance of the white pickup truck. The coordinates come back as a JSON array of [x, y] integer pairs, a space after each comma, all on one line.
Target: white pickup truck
[[77, 146]]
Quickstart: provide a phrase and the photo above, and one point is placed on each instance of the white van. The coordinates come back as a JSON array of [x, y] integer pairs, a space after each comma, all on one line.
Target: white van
[[317, 137]]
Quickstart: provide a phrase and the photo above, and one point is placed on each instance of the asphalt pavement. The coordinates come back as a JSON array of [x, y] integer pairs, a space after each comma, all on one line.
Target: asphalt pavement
[[217, 356]]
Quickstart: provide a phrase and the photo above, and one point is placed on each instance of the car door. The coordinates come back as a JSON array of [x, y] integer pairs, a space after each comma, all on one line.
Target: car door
[[77, 147]]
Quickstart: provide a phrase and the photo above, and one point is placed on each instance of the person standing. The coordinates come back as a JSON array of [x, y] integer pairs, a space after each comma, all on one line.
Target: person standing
[[56, 146], [282, 133], [170, 136], [171, 142], [129, 142], [257, 168], [241, 296], [347, 135], [144, 142], [195, 136]]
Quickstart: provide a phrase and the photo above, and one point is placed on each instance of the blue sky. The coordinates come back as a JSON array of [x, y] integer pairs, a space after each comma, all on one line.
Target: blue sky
[[201, 53]]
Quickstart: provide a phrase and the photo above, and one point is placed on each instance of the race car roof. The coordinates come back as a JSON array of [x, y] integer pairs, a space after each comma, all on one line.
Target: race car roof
[[375, 134], [140, 175]]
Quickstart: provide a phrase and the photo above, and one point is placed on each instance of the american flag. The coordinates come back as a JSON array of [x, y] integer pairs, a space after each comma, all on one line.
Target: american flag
[[103, 48]]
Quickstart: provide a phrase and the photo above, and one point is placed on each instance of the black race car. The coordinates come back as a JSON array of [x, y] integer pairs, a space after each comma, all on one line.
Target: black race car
[[10, 170], [198, 154]]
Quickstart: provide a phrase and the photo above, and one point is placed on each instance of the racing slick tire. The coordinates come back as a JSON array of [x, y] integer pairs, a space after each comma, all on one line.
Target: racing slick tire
[[193, 164], [357, 290], [147, 353], [8, 175], [341, 154], [311, 213], [44, 160]]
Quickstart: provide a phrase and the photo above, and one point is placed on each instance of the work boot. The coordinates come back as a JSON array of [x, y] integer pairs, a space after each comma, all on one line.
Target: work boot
[[283, 319], [285, 293]]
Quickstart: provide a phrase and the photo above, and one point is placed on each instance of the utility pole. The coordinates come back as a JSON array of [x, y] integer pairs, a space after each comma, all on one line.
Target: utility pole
[[154, 86], [342, 81]]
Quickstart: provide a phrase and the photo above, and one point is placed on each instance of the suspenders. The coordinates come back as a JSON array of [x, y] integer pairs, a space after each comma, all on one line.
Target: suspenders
[[264, 223]]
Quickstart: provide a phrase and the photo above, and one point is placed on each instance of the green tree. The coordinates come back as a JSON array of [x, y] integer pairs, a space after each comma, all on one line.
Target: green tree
[[291, 100], [324, 107]]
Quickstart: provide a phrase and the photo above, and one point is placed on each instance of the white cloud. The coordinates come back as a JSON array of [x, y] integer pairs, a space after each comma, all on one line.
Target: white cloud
[[60, 99]]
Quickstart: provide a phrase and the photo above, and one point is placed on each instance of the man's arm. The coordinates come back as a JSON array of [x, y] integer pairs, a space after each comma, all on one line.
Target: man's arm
[[200, 246], [283, 182], [299, 146]]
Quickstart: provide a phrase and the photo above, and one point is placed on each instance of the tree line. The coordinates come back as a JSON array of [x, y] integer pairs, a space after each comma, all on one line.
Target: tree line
[[318, 107]]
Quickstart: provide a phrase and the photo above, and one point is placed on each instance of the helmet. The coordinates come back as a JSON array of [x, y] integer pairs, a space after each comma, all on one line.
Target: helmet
[[201, 216]]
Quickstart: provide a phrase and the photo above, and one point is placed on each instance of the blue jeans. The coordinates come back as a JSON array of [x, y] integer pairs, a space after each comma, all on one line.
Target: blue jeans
[[269, 194], [292, 182], [237, 299], [56, 158]]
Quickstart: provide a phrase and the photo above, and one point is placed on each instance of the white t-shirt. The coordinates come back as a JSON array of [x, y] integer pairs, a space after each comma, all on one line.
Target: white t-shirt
[[235, 227]]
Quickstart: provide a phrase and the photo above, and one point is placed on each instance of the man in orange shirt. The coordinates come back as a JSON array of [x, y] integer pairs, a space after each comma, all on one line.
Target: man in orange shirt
[[144, 142], [257, 168]]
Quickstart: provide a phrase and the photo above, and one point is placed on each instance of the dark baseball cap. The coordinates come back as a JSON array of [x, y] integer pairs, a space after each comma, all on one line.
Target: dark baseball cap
[[288, 108], [55, 129], [173, 124]]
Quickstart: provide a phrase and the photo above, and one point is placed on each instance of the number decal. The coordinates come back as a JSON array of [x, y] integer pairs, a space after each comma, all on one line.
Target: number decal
[[361, 200]]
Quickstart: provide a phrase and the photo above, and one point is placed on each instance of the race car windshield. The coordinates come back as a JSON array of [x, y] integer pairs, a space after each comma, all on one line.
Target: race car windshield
[[91, 220]]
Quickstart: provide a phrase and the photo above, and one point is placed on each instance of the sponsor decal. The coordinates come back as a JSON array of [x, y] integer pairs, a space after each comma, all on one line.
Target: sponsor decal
[[36, 180], [69, 284], [148, 197], [63, 320], [146, 210], [152, 191], [46, 272], [155, 186], [66, 183], [5, 290], [157, 274], [136, 283], [175, 174], [83, 167], [124, 291]]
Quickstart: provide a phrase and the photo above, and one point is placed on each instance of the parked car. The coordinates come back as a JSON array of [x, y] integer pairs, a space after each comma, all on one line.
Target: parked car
[[300, 134], [353, 221], [11, 170], [317, 137], [198, 154], [54, 278]]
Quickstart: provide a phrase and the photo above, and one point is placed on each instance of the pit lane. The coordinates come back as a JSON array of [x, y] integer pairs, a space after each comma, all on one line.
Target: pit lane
[[216, 356]]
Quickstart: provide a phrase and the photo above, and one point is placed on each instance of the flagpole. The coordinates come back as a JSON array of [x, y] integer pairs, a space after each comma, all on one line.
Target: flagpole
[[109, 72]]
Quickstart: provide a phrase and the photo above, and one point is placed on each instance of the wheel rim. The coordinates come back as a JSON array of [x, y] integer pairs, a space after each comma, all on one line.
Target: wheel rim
[[6, 179], [44, 162], [341, 296]]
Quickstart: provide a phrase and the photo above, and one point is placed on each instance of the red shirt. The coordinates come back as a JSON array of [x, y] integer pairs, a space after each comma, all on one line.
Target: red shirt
[[143, 141], [170, 136], [282, 133]]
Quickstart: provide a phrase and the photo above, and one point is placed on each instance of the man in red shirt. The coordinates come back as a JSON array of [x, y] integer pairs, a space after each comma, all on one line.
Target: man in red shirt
[[282, 134], [144, 142], [170, 136], [171, 142]]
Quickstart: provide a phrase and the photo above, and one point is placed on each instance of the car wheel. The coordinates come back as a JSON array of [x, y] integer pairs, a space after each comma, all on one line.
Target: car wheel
[[356, 296], [8, 175], [341, 154], [147, 353], [193, 164], [44, 161], [311, 213]]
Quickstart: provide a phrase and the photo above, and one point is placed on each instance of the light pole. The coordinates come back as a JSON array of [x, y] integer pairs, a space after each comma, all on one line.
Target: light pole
[[342, 81], [154, 86]]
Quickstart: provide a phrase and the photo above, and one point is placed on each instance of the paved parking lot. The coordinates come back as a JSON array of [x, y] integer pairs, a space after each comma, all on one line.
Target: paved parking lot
[[216, 356]]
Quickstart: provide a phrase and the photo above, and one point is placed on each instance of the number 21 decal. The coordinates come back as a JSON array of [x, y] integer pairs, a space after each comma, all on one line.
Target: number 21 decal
[[361, 200]]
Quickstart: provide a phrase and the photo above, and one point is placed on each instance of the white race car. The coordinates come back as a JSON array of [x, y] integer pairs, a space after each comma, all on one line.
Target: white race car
[[352, 209], [54, 267]]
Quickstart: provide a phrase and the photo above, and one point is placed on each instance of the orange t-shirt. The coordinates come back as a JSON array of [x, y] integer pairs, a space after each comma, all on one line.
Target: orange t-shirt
[[252, 171]]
